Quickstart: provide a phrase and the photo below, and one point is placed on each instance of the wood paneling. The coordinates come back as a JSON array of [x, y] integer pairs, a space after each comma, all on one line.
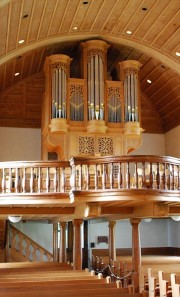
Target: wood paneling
[[44, 24]]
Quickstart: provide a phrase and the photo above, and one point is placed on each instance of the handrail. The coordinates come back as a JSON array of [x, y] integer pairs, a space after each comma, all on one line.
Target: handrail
[[90, 173]]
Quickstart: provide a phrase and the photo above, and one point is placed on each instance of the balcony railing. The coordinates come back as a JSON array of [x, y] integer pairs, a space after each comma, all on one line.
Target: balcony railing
[[34, 177], [93, 173]]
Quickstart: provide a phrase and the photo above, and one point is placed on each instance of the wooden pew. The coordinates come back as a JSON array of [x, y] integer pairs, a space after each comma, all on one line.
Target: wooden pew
[[166, 268], [175, 284], [25, 282], [73, 293], [81, 288], [18, 266]]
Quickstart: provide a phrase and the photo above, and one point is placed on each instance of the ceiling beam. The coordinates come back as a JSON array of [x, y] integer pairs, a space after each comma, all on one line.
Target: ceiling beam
[[36, 210]]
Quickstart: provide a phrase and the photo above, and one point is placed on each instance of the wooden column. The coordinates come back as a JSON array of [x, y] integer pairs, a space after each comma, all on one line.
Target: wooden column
[[136, 252], [77, 249], [62, 246], [55, 242], [70, 242], [85, 249], [112, 246]]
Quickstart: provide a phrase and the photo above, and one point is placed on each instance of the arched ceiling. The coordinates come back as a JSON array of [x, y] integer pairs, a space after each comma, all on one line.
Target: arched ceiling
[[58, 26]]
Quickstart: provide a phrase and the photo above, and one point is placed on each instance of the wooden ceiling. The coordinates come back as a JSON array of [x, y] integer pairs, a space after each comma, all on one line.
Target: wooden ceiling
[[58, 26]]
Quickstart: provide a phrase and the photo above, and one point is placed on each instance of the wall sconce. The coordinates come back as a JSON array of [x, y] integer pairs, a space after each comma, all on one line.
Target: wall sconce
[[175, 218], [147, 220], [14, 219]]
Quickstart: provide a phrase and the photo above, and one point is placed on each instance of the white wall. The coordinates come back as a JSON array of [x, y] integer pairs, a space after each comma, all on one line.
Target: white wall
[[20, 144], [152, 144], [174, 233], [40, 232], [152, 234], [172, 142]]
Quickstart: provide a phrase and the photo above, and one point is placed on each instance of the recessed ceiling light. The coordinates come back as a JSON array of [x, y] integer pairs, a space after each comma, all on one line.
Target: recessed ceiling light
[[75, 28], [16, 74], [149, 81], [21, 41], [178, 54], [25, 16], [129, 32]]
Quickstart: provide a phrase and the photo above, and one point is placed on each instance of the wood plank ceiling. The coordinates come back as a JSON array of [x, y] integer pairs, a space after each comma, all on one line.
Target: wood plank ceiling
[[30, 30]]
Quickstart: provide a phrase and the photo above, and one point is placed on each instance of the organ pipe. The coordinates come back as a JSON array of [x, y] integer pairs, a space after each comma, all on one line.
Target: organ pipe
[[59, 69], [130, 77]]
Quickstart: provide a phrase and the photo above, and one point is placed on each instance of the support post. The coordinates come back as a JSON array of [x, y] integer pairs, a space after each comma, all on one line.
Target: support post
[[55, 242], [77, 249], [112, 246], [62, 249], [136, 252]]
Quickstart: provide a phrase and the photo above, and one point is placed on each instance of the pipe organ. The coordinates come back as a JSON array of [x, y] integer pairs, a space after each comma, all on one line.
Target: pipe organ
[[90, 106]]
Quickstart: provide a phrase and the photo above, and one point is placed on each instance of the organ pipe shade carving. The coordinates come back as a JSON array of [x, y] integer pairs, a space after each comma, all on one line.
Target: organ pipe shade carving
[[114, 105], [76, 103]]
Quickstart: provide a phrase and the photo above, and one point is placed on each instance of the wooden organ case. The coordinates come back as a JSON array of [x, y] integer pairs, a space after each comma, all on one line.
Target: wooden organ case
[[91, 115]]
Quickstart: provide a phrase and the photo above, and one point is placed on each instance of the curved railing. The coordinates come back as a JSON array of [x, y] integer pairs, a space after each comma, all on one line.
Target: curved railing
[[125, 172], [93, 173]]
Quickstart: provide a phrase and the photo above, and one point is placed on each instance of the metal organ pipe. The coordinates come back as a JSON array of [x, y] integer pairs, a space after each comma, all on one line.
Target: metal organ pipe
[[129, 71], [95, 88]]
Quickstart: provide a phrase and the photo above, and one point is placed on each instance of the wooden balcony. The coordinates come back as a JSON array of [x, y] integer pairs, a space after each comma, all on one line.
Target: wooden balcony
[[121, 187]]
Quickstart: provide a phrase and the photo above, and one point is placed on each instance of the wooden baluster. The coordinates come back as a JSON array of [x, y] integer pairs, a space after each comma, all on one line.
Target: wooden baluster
[[136, 176], [111, 176], [80, 178], [47, 180], [27, 250], [63, 180], [151, 181], [127, 176], [55, 180], [4, 181], [103, 177], [41, 255], [143, 175], [10, 181], [172, 183], [120, 183], [39, 183], [87, 178], [16, 180], [24, 181], [164, 177], [158, 177], [95, 177], [178, 177], [31, 179], [168, 177], [33, 253]]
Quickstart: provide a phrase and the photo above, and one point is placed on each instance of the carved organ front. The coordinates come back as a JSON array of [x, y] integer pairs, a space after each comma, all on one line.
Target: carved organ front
[[91, 115]]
